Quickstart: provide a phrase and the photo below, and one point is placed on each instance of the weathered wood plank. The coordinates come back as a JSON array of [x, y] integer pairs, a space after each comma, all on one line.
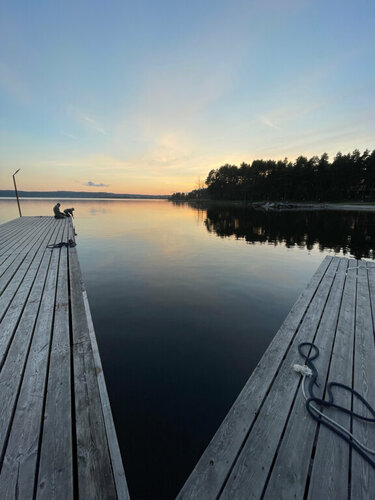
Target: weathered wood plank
[[362, 474], [18, 253], [7, 237], [13, 244], [249, 474], [13, 368], [289, 475], [12, 279], [18, 473], [20, 230], [8, 229], [14, 312], [13, 229], [329, 475], [55, 476], [211, 472], [95, 477], [6, 226]]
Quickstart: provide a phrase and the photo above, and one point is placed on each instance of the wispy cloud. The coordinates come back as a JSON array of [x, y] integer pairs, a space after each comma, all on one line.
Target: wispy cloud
[[87, 120], [93, 124], [93, 184], [266, 121], [71, 136]]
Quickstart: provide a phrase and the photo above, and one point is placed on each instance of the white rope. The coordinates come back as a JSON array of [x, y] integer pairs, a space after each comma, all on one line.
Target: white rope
[[303, 370]]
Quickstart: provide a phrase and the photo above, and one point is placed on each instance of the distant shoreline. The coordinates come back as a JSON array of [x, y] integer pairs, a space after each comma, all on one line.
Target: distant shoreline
[[73, 198], [8, 193]]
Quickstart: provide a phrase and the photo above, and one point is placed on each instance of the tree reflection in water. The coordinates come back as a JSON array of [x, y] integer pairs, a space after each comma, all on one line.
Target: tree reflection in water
[[352, 233]]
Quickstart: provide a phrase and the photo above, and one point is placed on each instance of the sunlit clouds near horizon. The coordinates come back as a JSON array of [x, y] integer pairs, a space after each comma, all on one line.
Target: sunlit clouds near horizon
[[147, 97]]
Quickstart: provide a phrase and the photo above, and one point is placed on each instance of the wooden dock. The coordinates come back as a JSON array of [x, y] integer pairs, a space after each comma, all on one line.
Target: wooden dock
[[57, 437], [268, 446]]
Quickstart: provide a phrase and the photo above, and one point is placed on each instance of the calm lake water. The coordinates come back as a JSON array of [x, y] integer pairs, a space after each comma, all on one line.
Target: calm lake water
[[185, 301]]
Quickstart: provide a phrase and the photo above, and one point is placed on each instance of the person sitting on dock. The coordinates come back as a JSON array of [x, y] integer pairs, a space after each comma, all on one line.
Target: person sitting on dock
[[69, 212], [56, 211]]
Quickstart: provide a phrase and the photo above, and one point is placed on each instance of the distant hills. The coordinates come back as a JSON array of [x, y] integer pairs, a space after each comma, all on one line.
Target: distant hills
[[9, 193]]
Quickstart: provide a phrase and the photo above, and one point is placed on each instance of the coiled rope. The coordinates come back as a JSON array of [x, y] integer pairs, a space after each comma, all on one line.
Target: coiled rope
[[69, 244], [309, 370]]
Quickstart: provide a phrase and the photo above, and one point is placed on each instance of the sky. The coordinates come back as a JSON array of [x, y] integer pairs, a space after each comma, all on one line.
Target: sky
[[148, 96]]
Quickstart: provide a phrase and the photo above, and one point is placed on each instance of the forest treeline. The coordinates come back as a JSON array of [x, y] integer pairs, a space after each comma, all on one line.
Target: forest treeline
[[349, 177]]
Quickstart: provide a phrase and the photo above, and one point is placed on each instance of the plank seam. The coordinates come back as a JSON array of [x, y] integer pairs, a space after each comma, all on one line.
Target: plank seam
[[353, 383], [371, 304], [72, 389]]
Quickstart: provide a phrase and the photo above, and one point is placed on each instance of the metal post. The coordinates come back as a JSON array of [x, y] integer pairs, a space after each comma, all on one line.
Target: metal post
[[15, 188]]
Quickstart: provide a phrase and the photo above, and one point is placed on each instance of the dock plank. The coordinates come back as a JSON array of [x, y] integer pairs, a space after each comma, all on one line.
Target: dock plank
[[13, 276], [18, 472], [329, 475], [55, 476], [362, 474], [12, 370], [16, 255], [17, 303], [9, 239], [5, 226], [9, 229], [10, 252]]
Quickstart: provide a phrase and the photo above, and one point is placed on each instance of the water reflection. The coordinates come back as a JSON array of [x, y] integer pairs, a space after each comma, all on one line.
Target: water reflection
[[183, 316], [341, 231]]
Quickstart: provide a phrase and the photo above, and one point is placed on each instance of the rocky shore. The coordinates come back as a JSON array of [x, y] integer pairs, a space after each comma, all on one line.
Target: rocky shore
[[280, 206]]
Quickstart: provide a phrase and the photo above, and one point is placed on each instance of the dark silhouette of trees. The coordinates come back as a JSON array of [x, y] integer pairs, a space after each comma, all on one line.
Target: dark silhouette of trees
[[196, 194], [347, 178]]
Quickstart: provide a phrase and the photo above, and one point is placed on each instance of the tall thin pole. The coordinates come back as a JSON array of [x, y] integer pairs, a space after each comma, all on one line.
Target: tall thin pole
[[15, 188]]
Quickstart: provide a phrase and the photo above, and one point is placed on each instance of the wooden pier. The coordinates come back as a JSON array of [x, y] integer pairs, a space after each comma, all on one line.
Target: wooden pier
[[268, 446], [57, 437]]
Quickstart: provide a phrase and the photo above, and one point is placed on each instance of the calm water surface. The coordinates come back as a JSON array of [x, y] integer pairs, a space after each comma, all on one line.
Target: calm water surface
[[185, 301]]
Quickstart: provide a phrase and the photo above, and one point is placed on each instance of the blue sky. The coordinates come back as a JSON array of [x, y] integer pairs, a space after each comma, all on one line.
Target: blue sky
[[148, 96]]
